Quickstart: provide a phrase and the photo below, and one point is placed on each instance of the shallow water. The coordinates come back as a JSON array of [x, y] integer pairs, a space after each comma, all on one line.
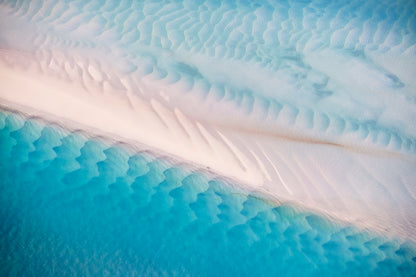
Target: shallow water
[[76, 206], [310, 102]]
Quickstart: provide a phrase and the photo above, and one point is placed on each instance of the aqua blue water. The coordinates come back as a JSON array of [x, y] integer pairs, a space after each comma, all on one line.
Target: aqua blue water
[[73, 206]]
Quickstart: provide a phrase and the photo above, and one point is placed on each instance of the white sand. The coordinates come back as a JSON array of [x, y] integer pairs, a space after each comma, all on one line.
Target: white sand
[[147, 122], [371, 189]]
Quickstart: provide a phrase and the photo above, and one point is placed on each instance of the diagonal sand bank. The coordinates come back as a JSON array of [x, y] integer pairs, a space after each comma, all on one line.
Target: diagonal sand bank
[[310, 102], [368, 187]]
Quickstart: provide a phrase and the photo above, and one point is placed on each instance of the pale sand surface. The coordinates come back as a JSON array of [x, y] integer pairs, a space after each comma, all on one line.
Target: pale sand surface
[[373, 189]]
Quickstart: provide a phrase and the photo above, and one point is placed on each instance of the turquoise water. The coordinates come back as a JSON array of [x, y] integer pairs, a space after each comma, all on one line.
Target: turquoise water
[[76, 206]]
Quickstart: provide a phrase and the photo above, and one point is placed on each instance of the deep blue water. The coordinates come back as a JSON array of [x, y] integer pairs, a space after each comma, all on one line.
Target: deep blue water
[[73, 206]]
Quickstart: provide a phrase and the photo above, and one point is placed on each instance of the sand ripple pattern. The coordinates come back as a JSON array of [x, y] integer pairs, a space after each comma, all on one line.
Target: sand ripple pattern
[[270, 63], [313, 102]]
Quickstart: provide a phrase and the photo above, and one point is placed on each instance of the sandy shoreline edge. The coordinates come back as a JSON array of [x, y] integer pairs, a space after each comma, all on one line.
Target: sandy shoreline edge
[[148, 128]]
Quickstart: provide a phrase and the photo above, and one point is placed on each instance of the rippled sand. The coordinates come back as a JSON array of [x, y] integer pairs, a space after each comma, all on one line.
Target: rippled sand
[[311, 103]]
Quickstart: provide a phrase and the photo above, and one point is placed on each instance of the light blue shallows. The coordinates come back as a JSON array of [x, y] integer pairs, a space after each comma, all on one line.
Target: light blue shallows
[[72, 206]]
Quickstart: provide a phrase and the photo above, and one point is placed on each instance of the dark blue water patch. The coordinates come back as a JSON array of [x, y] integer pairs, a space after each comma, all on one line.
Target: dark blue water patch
[[76, 206]]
